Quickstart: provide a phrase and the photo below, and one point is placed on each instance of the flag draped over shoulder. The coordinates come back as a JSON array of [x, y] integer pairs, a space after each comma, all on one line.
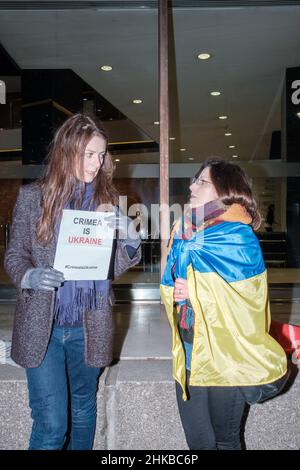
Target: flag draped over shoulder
[[221, 259]]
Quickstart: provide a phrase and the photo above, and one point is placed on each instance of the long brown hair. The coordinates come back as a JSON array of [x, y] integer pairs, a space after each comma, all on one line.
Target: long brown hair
[[232, 186], [64, 158]]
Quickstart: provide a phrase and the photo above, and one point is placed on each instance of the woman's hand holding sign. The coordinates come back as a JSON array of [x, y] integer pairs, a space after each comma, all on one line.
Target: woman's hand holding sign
[[126, 231], [43, 278]]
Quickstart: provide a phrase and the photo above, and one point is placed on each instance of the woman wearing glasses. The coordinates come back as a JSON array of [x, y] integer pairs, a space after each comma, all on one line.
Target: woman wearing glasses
[[63, 330], [216, 296]]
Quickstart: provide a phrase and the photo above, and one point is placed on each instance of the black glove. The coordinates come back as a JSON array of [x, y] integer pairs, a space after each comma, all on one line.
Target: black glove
[[42, 279]]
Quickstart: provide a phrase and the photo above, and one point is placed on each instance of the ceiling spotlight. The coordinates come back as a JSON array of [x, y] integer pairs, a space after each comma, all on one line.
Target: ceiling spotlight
[[183, 149], [215, 93], [137, 101], [84, 99], [117, 159], [191, 158], [298, 115], [227, 134], [106, 68], [231, 146], [204, 56], [156, 123], [172, 138], [234, 156], [223, 117]]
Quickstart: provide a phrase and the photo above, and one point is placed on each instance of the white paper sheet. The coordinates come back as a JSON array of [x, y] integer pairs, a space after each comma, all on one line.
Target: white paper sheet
[[84, 245]]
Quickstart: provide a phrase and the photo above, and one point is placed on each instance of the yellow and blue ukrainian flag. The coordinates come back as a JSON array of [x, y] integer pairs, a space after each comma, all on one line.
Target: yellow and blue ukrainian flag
[[227, 281]]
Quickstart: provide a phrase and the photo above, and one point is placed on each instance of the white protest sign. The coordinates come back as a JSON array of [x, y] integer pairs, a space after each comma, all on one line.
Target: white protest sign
[[84, 245]]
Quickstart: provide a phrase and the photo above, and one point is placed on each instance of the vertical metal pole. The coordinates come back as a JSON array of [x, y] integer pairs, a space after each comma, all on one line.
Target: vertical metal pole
[[164, 130]]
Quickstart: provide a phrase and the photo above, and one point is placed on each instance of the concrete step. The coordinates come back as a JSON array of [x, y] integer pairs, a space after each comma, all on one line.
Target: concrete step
[[142, 292], [137, 410]]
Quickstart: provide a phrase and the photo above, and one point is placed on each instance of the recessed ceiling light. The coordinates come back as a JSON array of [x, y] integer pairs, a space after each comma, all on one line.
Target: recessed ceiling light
[[84, 99], [106, 68], [156, 123], [215, 93], [228, 134], [231, 146], [117, 159], [172, 138], [298, 115], [136, 101], [234, 156], [223, 117], [183, 149], [191, 158], [99, 110], [204, 56]]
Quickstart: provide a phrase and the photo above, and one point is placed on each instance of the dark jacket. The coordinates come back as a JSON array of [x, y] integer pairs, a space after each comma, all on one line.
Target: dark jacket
[[34, 308]]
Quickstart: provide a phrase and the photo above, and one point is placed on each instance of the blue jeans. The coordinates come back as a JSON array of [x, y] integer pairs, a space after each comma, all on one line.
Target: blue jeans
[[211, 418], [62, 394]]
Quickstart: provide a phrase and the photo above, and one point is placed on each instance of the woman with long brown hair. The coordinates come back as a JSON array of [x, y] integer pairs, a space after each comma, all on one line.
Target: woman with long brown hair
[[63, 330], [216, 296]]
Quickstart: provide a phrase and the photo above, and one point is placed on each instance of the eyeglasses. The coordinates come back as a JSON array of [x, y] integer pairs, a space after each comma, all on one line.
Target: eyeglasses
[[200, 181]]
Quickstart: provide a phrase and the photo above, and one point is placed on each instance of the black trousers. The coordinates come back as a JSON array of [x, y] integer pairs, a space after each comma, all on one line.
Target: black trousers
[[211, 418]]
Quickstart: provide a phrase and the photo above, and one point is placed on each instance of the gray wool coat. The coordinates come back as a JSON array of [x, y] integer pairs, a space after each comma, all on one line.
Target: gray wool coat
[[34, 308]]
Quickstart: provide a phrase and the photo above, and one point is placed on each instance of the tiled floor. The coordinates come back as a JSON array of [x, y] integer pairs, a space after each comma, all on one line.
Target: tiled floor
[[142, 331]]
